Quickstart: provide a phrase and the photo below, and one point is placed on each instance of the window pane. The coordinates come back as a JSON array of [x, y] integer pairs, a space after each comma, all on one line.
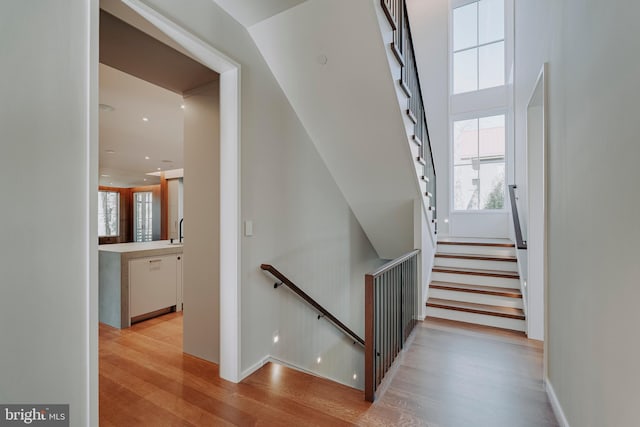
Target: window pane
[[492, 138], [465, 141], [492, 185], [108, 213], [465, 71], [465, 26], [143, 217], [465, 187], [491, 65], [491, 20]]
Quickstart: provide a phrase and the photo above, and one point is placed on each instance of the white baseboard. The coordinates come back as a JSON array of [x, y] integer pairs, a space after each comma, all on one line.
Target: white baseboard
[[247, 372], [555, 404], [254, 368]]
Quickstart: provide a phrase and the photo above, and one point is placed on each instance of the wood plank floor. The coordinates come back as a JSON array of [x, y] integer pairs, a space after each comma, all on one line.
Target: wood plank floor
[[449, 376]]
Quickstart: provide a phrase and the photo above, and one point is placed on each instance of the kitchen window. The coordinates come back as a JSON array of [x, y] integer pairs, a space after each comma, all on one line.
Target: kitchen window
[[143, 216], [108, 213]]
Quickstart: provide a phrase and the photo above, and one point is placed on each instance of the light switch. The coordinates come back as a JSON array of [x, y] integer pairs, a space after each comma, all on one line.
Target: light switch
[[248, 228]]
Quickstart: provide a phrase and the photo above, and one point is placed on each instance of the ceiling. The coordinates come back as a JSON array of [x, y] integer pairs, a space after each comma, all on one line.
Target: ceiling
[[250, 12], [141, 77], [126, 139]]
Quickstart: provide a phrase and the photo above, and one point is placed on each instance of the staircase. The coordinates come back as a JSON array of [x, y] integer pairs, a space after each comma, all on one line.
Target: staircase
[[477, 281]]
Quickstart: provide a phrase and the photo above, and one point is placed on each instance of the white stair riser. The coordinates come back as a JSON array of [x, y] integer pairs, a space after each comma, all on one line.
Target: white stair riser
[[476, 264], [479, 319], [479, 250], [471, 279], [476, 298]]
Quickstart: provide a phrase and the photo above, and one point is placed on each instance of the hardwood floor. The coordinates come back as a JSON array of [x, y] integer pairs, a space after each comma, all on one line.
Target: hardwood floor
[[449, 376]]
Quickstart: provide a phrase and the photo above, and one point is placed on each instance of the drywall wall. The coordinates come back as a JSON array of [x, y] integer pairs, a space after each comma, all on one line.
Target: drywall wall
[[352, 116], [250, 12], [301, 222], [201, 264], [592, 197], [48, 288], [430, 30]]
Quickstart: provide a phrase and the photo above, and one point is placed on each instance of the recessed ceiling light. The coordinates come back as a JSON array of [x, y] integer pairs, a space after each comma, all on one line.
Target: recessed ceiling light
[[159, 169], [145, 119], [145, 180], [182, 106], [106, 176], [110, 151], [147, 157], [106, 107]]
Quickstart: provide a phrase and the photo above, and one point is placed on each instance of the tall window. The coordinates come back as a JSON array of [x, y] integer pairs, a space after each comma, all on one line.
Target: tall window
[[479, 163], [478, 46], [143, 216], [108, 213]]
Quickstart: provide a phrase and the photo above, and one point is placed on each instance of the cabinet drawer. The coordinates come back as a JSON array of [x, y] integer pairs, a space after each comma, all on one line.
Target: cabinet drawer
[[152, 284]]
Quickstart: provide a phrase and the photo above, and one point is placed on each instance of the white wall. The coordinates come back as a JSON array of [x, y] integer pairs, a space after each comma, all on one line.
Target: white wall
[[201, 264], [358, 132], [48, 284], [302, 224], [593, 212]]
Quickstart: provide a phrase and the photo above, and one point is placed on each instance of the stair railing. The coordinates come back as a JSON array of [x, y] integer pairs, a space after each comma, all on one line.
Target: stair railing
[[402, 48], [391, 312], [520, 242], [323, 312]]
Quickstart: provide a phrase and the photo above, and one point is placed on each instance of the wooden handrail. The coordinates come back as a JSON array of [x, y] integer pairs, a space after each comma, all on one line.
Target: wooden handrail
[[323, 311], [520, 243]]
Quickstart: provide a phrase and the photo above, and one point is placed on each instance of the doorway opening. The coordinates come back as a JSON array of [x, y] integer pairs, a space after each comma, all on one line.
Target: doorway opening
[[225, 189]]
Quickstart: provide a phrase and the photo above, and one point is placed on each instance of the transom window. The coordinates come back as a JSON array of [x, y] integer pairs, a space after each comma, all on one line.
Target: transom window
[[479, 163], [478, 46]]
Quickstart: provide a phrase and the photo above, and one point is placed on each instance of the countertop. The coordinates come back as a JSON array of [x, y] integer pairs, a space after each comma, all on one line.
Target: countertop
[[163, 245]]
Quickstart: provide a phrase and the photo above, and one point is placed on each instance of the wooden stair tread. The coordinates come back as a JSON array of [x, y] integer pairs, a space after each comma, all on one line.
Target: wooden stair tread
[[477, 272], [477, 289], [469, 243], [477, 257], [469, 307]]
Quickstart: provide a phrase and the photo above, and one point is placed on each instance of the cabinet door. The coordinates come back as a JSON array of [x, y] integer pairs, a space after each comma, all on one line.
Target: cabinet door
[[152, 284]]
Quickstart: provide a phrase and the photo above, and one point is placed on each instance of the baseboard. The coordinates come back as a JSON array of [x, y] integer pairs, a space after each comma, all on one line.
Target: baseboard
[[555, 404], [306, 371], [247, 372], [254, 368]]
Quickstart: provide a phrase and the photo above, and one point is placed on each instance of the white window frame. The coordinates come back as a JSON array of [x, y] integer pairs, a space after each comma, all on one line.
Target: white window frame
[[508, 50], [507, 129], [484, 103]]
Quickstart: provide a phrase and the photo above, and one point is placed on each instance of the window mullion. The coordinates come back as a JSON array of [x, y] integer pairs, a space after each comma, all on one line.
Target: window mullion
[[478, 56]]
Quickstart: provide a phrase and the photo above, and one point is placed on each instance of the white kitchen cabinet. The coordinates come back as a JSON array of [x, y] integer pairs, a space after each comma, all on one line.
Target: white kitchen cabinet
[[152, 284]]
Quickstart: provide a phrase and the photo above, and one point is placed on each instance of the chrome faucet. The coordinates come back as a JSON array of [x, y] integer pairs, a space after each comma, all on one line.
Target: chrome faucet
[[180, 234]]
